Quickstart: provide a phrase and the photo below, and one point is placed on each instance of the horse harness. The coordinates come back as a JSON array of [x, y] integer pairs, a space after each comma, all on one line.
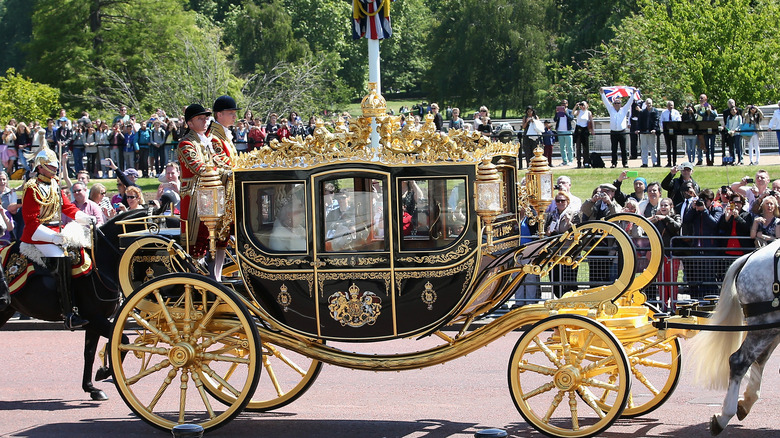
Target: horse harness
[[748, 310], [762, 307]]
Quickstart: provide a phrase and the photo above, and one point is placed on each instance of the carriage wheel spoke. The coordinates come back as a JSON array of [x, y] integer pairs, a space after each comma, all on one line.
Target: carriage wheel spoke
[[223, 383], [207, 318], [540, 390], [547, 352], [553, 406], [211, 341], [203, 396], [575, 421], [281, 356], [272, 376], [166, 384], [148, 371], [644, 380], [585, 347], [167, 315], [183, 397], [159, 333], [590, 400]]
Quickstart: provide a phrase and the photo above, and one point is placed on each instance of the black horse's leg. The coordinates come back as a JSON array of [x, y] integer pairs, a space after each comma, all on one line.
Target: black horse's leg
[[91, 338]]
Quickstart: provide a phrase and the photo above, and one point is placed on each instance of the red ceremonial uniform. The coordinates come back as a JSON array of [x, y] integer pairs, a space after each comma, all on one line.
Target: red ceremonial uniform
[[41, 206], [197, 156]]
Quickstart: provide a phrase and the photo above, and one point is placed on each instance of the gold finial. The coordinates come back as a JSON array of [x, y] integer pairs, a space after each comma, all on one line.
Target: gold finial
[[373, 104]]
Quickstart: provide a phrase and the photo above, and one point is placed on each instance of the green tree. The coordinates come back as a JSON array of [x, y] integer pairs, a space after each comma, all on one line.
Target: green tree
[[16, 31], [261, 33], [490, 52], [76, 42], [25, 100]]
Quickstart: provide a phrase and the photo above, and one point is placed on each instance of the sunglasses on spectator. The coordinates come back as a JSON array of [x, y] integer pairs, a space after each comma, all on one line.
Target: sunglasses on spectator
[[77, 191], [560, 200], [102, 193], [131, 197]]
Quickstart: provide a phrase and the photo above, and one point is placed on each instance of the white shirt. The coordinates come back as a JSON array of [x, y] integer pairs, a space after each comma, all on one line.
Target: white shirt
[[670, 116], [775, 122], [618, 120]]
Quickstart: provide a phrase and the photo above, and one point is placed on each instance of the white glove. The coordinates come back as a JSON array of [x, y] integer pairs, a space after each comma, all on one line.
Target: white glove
[[85, 219], [46, 234]]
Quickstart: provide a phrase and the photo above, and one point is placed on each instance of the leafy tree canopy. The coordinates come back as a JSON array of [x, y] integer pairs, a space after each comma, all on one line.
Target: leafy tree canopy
[[25, 100]]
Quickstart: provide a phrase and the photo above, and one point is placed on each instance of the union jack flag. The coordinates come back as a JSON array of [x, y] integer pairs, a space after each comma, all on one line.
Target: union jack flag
[[621, 91], [371, 19]]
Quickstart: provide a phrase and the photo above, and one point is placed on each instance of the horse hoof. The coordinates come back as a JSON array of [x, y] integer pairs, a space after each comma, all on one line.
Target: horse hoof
[[741, 412], [102, 373], [715, 428], [98, 395]]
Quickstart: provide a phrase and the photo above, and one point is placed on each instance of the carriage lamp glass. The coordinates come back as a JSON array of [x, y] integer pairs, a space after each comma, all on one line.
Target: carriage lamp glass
[[488, 194], [211, 201]]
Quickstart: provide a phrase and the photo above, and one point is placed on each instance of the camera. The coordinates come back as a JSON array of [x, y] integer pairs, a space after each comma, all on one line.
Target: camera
[[749, 180], [557, 187], [699, 203]]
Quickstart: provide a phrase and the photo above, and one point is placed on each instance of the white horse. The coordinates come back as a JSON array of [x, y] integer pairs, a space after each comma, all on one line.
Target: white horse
[[718, 359]]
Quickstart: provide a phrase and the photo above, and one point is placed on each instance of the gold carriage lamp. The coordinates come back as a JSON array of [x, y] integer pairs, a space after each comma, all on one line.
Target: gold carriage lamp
[[488, 196], [539, 186], [211, 205]]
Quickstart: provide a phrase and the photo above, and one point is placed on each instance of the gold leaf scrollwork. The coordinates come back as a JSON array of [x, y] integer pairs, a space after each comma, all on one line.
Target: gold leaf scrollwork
[[459, 252], [260, 259]]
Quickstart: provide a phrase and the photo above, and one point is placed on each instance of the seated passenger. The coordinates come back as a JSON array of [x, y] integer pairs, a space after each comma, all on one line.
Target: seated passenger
[[289, 232]]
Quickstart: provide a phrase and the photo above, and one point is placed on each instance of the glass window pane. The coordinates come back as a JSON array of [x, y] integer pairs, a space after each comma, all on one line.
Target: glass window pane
[[433, 212], [354, 217], [277, 216]]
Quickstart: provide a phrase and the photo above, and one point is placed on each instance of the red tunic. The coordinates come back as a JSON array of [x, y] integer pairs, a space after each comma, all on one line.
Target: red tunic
[[31, 209], [196, 158]]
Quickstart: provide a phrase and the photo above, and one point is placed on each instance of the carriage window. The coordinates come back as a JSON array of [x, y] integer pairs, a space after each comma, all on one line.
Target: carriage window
[[353, 214], [433, 211], [277, 216]]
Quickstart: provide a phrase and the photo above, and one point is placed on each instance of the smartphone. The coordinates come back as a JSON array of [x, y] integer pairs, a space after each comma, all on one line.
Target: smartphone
[[105, 162], [632, 173], [116, 206], [559, 109]]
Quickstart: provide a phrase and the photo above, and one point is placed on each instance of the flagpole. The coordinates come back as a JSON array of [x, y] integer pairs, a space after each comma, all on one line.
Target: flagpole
[[374, 76]]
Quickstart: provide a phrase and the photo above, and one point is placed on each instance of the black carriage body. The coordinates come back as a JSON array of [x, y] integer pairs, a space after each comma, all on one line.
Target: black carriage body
[[364, 251]]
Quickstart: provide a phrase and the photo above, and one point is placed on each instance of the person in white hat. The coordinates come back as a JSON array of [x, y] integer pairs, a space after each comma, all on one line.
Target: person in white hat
[[43, 204]]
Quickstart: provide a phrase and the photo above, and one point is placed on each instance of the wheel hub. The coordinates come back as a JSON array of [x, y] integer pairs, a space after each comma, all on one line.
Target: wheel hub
[[181, 355], [567, 378]]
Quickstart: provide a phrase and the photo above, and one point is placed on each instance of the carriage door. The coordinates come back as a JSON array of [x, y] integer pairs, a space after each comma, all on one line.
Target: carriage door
[[352, 254]]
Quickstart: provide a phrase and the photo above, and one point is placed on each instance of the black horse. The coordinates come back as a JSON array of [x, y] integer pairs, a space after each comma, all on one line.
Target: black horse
[[96, 294]]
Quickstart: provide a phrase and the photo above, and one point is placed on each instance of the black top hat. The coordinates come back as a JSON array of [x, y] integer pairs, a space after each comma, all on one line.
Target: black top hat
[[195, 110], [224, 103]]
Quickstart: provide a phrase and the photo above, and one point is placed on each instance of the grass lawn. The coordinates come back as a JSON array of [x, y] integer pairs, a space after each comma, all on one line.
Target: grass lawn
[[585, 180]]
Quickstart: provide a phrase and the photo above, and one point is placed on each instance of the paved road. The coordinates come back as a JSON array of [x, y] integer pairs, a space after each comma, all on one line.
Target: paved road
[[40, 396]]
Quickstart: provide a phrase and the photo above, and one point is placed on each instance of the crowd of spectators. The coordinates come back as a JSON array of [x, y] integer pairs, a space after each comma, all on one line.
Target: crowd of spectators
[[702, 229]]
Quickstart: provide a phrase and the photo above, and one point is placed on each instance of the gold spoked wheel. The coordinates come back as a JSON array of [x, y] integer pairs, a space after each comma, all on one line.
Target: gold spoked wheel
[[655, 371], [184, 331], [286, 376], [559, 369]]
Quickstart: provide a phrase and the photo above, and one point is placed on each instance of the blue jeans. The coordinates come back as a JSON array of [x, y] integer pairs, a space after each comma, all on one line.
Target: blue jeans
[[78, 158], [690, 147], [709, 147]]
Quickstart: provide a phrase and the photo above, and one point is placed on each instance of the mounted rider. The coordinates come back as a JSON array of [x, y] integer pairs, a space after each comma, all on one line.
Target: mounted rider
[[43, 205]]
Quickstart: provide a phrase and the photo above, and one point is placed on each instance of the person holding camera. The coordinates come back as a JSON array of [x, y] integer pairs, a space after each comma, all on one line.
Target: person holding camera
[[674, 186], [765, 229], [701, 222], [736, 223], [601, 204], [760, 185], [583, 129]]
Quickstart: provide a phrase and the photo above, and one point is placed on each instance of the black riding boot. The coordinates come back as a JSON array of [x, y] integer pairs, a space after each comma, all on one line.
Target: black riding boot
[[69, 311]]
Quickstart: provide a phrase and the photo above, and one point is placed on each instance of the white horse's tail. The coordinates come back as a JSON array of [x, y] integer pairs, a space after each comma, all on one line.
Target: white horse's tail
[[709, 351]]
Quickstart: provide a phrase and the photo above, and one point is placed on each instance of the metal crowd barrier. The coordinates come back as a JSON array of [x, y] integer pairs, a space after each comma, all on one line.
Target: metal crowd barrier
[[688, 272]]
